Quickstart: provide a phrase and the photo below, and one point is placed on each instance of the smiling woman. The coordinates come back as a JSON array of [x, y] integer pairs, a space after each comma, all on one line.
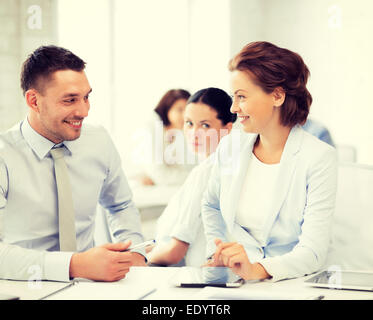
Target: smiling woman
[[255, 75], [280, 186]]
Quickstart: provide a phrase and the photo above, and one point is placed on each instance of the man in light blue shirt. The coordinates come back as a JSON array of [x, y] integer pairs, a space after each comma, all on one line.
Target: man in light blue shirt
[[57, 91]]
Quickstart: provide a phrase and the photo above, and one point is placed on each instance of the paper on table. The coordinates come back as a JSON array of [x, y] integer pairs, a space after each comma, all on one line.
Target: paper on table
[[29, 290], [214, 293], [137, 284], [102, 291]]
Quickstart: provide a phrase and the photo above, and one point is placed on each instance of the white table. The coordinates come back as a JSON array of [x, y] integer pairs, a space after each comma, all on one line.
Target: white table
[[153, 283]]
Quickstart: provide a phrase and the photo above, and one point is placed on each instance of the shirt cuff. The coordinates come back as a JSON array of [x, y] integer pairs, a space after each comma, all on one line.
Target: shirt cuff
[[57, 266], [183, 234], [142, 252], [275, 268]]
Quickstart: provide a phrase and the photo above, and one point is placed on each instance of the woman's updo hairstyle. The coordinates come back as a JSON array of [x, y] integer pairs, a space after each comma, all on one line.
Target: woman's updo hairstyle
[[216, 99], [271, 67]]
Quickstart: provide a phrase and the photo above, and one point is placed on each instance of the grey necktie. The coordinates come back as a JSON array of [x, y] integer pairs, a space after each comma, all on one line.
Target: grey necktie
[[66, 218]]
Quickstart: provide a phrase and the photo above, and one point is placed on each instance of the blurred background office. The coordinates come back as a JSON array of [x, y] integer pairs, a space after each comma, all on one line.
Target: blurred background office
[[137, 50]]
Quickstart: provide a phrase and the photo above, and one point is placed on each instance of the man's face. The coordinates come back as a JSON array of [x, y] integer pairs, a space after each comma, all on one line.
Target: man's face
[[62, 105]]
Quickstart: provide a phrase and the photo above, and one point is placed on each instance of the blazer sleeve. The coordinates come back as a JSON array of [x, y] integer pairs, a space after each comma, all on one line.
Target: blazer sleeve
[[212, 219], [188, 221], [310, 253]]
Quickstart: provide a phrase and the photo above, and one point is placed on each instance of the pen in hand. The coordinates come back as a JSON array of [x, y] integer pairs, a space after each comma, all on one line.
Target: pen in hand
[[140, 245]]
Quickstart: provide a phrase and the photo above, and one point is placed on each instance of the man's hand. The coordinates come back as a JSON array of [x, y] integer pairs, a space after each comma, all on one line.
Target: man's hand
[[104, 263], [137, 259]]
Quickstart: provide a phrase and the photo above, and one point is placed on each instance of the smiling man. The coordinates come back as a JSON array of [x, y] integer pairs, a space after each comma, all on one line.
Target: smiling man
[[58, 110], [54, 171]]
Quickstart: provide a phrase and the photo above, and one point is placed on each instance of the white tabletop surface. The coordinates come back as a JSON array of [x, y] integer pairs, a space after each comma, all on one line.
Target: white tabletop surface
[[155, 283]]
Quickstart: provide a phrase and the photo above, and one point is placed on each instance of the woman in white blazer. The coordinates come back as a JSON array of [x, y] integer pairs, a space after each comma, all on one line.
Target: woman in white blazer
[[269, 202]]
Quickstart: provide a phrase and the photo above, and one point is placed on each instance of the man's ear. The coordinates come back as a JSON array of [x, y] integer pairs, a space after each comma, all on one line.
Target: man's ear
[[32, 97], [279, 96]]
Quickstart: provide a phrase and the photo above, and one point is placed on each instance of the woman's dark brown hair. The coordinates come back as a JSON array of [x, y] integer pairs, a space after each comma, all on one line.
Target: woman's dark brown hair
[[166, 102], [271, 67]]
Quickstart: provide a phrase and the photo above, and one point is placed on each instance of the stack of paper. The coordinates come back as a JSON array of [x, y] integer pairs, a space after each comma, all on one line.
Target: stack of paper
[[215, 293], [102, 291]]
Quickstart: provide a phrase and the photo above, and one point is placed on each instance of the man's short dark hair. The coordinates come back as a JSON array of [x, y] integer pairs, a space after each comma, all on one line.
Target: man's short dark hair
[[44, 61]]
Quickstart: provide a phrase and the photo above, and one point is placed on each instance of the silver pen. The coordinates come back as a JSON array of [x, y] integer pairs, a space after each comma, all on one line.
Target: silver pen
[[140, 245]]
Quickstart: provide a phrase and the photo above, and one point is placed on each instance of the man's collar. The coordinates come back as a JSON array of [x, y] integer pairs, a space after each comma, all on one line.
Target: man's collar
[[39, 144]]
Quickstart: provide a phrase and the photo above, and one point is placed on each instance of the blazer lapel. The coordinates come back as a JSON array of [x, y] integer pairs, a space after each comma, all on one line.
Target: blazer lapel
[[286, 172], [237, 178]]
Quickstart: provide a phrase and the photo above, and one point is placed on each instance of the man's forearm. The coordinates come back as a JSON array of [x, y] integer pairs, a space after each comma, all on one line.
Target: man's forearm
[[27, 264]]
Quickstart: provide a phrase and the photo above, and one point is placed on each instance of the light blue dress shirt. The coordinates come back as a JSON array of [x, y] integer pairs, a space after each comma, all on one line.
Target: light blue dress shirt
[[28, 200], [318, 130]]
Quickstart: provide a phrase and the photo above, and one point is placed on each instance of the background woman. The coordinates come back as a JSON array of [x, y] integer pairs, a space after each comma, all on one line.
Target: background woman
[[268, 206], [207, 119], [166, 166]]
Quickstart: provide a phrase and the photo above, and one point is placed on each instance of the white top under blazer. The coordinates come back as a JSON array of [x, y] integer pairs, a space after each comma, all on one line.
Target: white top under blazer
[[296, 231], [254, 207]]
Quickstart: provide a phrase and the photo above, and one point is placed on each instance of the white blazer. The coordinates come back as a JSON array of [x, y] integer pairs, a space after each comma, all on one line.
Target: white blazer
[[298, 228]]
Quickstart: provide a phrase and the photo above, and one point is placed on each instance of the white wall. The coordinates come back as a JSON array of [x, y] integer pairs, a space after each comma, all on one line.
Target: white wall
[[334, 38], [161, 45], [136, 50], [246, 23], [150, 57], [24, 26], [209, 36], [84, 28]]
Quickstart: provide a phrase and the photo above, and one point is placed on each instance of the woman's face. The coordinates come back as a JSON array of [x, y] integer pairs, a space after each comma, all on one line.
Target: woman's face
[[175, 114], [202, 129], [255, 109]]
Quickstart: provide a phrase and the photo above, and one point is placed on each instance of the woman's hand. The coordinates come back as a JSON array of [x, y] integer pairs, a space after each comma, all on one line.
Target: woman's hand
[[146, 181], [233, 255]]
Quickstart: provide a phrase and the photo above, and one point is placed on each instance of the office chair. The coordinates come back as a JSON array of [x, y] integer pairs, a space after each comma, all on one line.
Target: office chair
[[352, 227]]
